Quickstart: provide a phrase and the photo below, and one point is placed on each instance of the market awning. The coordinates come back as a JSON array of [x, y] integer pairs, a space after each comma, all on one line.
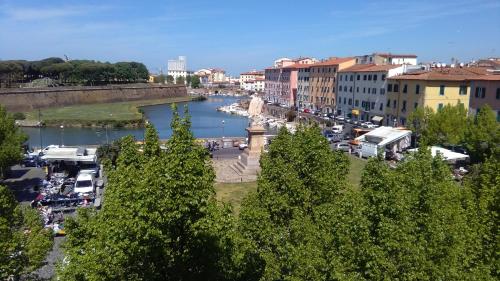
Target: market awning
[[377, 118], [355, 112]]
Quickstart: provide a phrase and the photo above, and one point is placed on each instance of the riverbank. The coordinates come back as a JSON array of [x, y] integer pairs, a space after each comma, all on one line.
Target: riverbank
[[118, 114]]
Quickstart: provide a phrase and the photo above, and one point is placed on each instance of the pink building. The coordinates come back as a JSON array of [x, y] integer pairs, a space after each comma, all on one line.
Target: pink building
[[485, 89], [281, 80]]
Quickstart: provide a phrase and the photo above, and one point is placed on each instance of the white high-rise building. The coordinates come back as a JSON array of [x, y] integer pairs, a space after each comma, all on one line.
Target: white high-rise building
[[178, 68], [179, 64]]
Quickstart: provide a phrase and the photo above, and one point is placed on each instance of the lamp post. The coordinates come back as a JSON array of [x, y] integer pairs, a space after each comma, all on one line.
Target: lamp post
[[62, 135]]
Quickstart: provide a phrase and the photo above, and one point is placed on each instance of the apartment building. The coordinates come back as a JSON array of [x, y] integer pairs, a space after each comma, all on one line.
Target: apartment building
[[322, 82], [281, 80], [252, 81], [303, 99], [387, 58], [434, 88], [361, 91], [485, 89]]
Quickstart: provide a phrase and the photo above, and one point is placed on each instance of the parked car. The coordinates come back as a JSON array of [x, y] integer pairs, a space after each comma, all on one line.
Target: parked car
[[338, 129], [340, 118], [84, 183], [242, 145], [317, 112], [307, 110], [342, 146], [30, 161], [368, 125]]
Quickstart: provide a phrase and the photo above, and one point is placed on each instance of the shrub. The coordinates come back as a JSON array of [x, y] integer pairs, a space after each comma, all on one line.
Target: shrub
[[18, 116]]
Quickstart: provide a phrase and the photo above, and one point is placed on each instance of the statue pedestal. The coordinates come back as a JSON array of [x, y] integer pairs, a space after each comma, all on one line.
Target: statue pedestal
[[248, 164]]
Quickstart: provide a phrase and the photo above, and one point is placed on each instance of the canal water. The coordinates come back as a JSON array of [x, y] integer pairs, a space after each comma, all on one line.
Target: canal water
[[206, 122]]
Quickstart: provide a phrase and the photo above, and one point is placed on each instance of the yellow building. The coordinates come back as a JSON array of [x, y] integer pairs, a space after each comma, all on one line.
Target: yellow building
[[435, 89], [151, 78]]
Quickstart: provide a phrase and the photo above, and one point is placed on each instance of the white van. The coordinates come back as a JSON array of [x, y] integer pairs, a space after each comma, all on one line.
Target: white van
[[85, 183]]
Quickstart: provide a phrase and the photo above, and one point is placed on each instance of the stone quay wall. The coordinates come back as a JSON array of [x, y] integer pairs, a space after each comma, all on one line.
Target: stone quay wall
[[18, 100]]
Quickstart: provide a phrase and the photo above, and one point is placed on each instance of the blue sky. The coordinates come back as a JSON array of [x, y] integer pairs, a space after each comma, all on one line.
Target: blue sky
[[243, 35]]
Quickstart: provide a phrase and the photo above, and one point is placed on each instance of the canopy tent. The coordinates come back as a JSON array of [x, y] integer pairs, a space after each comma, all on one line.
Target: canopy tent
[[377, 119], [448, 155]]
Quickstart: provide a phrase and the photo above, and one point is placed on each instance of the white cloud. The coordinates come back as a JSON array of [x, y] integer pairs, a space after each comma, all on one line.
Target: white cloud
[[46, 13]]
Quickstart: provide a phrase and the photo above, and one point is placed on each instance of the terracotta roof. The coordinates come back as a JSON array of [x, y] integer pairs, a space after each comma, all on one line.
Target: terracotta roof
[[253, 73], [487, 77], [331, 62], [299, 65], [444, 74], [370, 68], [389, 55]]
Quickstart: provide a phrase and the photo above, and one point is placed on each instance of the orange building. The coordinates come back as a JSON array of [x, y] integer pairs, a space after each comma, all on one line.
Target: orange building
[[322, 82]]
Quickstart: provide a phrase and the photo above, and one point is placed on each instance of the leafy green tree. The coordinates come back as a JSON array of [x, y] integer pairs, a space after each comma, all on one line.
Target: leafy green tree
[[195, 82], [300, 173], [447, 126], [483, 135], [179, 80], [170, 79], [483, 187], [160, 220], [417, 221], [418, 121], [11, 140], [24, 242], [189, 78]]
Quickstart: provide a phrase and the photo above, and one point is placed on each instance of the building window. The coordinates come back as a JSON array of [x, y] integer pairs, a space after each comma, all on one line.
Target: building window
[[417, 89], [358, 77], [364, 77], [351, 78], [345, 88], [373, 105], [389, 88], [383, 77], [350, 89], [374, 91], [463, 90], [394, 104], [340, 77], [364, 90], [498, 93], [370, 77], [483, 93], [369, 90], [415, 105], [350, 102], [405, 88], [396, 88], [356, 103], [382, 91], [403, 109], [440, 106], [340, 100], [388, 103], [375, 77], [345, 100], [357, 91], [381, 107], [441, 90]]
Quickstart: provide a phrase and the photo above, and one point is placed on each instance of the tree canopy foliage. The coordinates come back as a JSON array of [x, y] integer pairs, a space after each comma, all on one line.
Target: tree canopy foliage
[[450, 126], [159, 220], [23, 240], [87, 72], [11, 140]]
